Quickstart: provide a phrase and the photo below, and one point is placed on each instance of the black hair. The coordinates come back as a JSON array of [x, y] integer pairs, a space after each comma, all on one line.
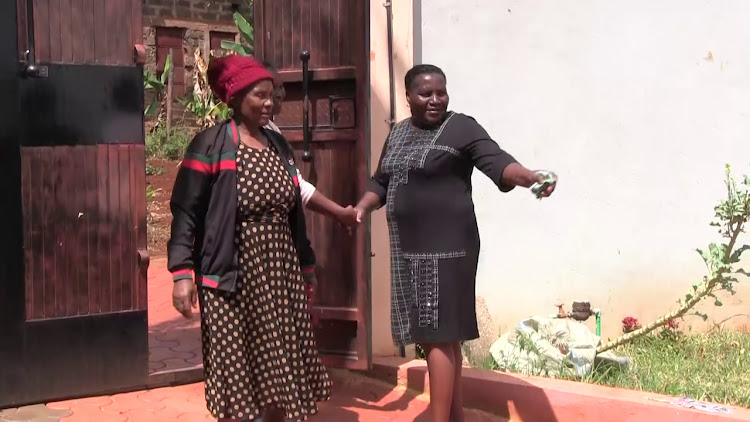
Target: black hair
[[421, 69]]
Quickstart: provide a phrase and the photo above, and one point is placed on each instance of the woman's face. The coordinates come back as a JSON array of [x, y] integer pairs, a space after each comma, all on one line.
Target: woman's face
[[428, 99], [256, 105]]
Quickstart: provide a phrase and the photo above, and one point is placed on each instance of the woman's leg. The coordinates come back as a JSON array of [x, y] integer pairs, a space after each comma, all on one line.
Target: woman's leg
[[457, 402], [441, 364]]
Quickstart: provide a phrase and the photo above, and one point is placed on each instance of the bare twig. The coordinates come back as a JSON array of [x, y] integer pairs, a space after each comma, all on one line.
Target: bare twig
[[718, 325]]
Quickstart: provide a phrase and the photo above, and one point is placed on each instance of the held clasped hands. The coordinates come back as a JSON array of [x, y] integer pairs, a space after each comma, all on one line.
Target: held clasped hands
[[350, 216]]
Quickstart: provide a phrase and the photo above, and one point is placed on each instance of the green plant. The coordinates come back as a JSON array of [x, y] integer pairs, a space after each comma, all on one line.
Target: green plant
[[151, 193], [156, 85], [202, 103], [245, 46], [529, 358], [731, 215], [152, 170], [487, 363], [172, 147], [153, 143], [670, 331], [205, 111], [175, 145], [710, 367]]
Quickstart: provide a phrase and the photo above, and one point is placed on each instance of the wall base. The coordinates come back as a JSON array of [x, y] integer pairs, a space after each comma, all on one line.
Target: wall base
[[522, 398]]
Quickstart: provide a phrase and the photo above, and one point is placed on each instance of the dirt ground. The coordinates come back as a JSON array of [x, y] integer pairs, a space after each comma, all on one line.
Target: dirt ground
[[158, 215]]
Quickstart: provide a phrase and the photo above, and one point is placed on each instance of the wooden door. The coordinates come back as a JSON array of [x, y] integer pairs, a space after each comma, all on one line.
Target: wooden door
[[75, 283], [335, 34]]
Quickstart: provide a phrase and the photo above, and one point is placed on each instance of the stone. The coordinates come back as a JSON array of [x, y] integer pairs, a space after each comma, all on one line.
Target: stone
[[478, 350], [149, 35], [33, 413], [151, 59]]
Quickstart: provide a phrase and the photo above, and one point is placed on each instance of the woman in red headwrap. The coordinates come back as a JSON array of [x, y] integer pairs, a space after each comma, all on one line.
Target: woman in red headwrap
[[238, 225]]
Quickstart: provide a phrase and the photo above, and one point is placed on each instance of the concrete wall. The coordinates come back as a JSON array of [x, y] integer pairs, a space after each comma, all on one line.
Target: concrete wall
[[403, 49], [637, 105]]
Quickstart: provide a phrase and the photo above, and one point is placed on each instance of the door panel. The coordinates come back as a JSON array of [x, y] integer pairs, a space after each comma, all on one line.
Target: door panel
[[83, 105], [75, 279], [334, 32], [82, 31], [82, 230]]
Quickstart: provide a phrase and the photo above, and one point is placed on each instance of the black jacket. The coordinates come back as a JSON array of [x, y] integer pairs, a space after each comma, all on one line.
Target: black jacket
[[204, 210]]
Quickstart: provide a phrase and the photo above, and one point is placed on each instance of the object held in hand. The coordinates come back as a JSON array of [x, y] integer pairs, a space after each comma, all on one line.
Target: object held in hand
[[548, 179]]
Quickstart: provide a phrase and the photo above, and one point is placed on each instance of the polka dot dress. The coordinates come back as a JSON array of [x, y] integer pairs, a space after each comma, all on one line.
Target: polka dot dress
[[258, 345]]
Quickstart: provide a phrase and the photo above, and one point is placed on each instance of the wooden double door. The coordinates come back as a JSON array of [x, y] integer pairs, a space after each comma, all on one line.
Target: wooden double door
[[334, 33], [73, 260], [73, 300]]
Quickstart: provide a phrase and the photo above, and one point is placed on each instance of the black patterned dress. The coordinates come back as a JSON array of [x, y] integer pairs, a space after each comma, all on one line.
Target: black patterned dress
[[424, 180], [258, 345]]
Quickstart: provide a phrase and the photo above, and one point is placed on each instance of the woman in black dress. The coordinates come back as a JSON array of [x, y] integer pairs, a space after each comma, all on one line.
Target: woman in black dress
[[238, 225], [424, 180]]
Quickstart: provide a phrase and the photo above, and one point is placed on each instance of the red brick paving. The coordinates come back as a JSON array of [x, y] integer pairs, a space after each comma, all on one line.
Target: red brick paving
[[174, 342], [356, 398]]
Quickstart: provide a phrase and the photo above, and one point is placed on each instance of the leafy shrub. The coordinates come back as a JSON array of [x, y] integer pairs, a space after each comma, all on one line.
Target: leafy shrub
[[202, 103], [245, 46], [158, 86], [172, 147], [152, 170], [153, 145], [175, 146]]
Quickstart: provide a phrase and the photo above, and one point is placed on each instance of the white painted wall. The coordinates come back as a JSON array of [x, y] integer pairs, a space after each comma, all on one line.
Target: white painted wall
[[620, 99]]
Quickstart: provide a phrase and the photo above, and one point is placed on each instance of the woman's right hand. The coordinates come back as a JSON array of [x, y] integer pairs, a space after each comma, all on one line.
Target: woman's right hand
[[349, 216], [360, 214], [369, 202], [185, 297]]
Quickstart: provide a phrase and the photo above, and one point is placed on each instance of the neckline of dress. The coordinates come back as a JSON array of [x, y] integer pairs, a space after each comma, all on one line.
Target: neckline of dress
[[253, 148], [239, 140], [448, 115]]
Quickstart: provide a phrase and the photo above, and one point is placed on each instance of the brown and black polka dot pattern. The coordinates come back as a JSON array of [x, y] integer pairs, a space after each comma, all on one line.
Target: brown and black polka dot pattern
[[258, 344]]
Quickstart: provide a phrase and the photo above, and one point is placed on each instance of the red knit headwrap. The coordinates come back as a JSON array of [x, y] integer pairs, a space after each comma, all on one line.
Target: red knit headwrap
[[230, 75]]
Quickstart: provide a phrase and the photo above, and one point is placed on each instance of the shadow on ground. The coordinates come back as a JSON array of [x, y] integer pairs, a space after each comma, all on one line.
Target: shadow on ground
[[524, 402]]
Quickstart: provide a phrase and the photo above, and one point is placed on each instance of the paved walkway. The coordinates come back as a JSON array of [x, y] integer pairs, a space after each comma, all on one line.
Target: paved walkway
[[173, 341], [356, 398]]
